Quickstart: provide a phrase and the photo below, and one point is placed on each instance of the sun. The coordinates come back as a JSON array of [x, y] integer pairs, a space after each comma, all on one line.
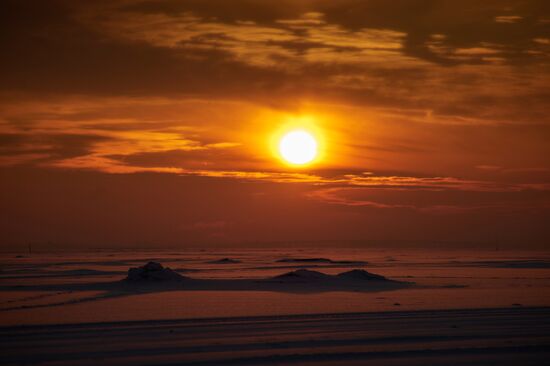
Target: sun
[[298, 147]]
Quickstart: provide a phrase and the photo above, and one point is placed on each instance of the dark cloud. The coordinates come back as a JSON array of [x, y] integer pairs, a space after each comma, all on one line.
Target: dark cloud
[[53, 147], [59, 52], [267, 11], [47, 50], [204, 158], [465, 24]]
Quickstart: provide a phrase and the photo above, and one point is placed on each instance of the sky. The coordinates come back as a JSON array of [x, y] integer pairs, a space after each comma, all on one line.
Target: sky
[[141, 123]]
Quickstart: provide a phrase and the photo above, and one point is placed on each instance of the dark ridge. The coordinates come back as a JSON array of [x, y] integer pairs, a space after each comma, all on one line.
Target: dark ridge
[[307, 260], [360, 274], [225, 261], [317, 260]]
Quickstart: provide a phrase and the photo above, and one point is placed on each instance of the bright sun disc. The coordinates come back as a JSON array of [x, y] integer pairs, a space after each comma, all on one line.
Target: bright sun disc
[[298, 147]]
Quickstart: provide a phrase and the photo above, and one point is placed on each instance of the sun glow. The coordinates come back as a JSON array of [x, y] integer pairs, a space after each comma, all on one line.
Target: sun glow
[[299, 141], [298, 147]]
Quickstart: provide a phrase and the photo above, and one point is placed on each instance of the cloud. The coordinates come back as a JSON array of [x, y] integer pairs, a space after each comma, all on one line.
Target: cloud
[[523, 198], [334, 196], [508, 18]]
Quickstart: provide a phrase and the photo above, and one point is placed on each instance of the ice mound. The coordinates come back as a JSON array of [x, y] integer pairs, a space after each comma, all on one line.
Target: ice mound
[[352, 277], [153, 271], [225, 261], [361, 274], [302, 274]]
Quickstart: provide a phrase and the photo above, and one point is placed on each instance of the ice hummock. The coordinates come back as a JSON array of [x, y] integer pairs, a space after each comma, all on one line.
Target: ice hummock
[[352, 276], [153, 271], [302, 274]]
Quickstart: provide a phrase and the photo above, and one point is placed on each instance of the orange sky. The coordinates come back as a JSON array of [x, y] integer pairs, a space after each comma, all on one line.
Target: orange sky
[[131, 122]]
